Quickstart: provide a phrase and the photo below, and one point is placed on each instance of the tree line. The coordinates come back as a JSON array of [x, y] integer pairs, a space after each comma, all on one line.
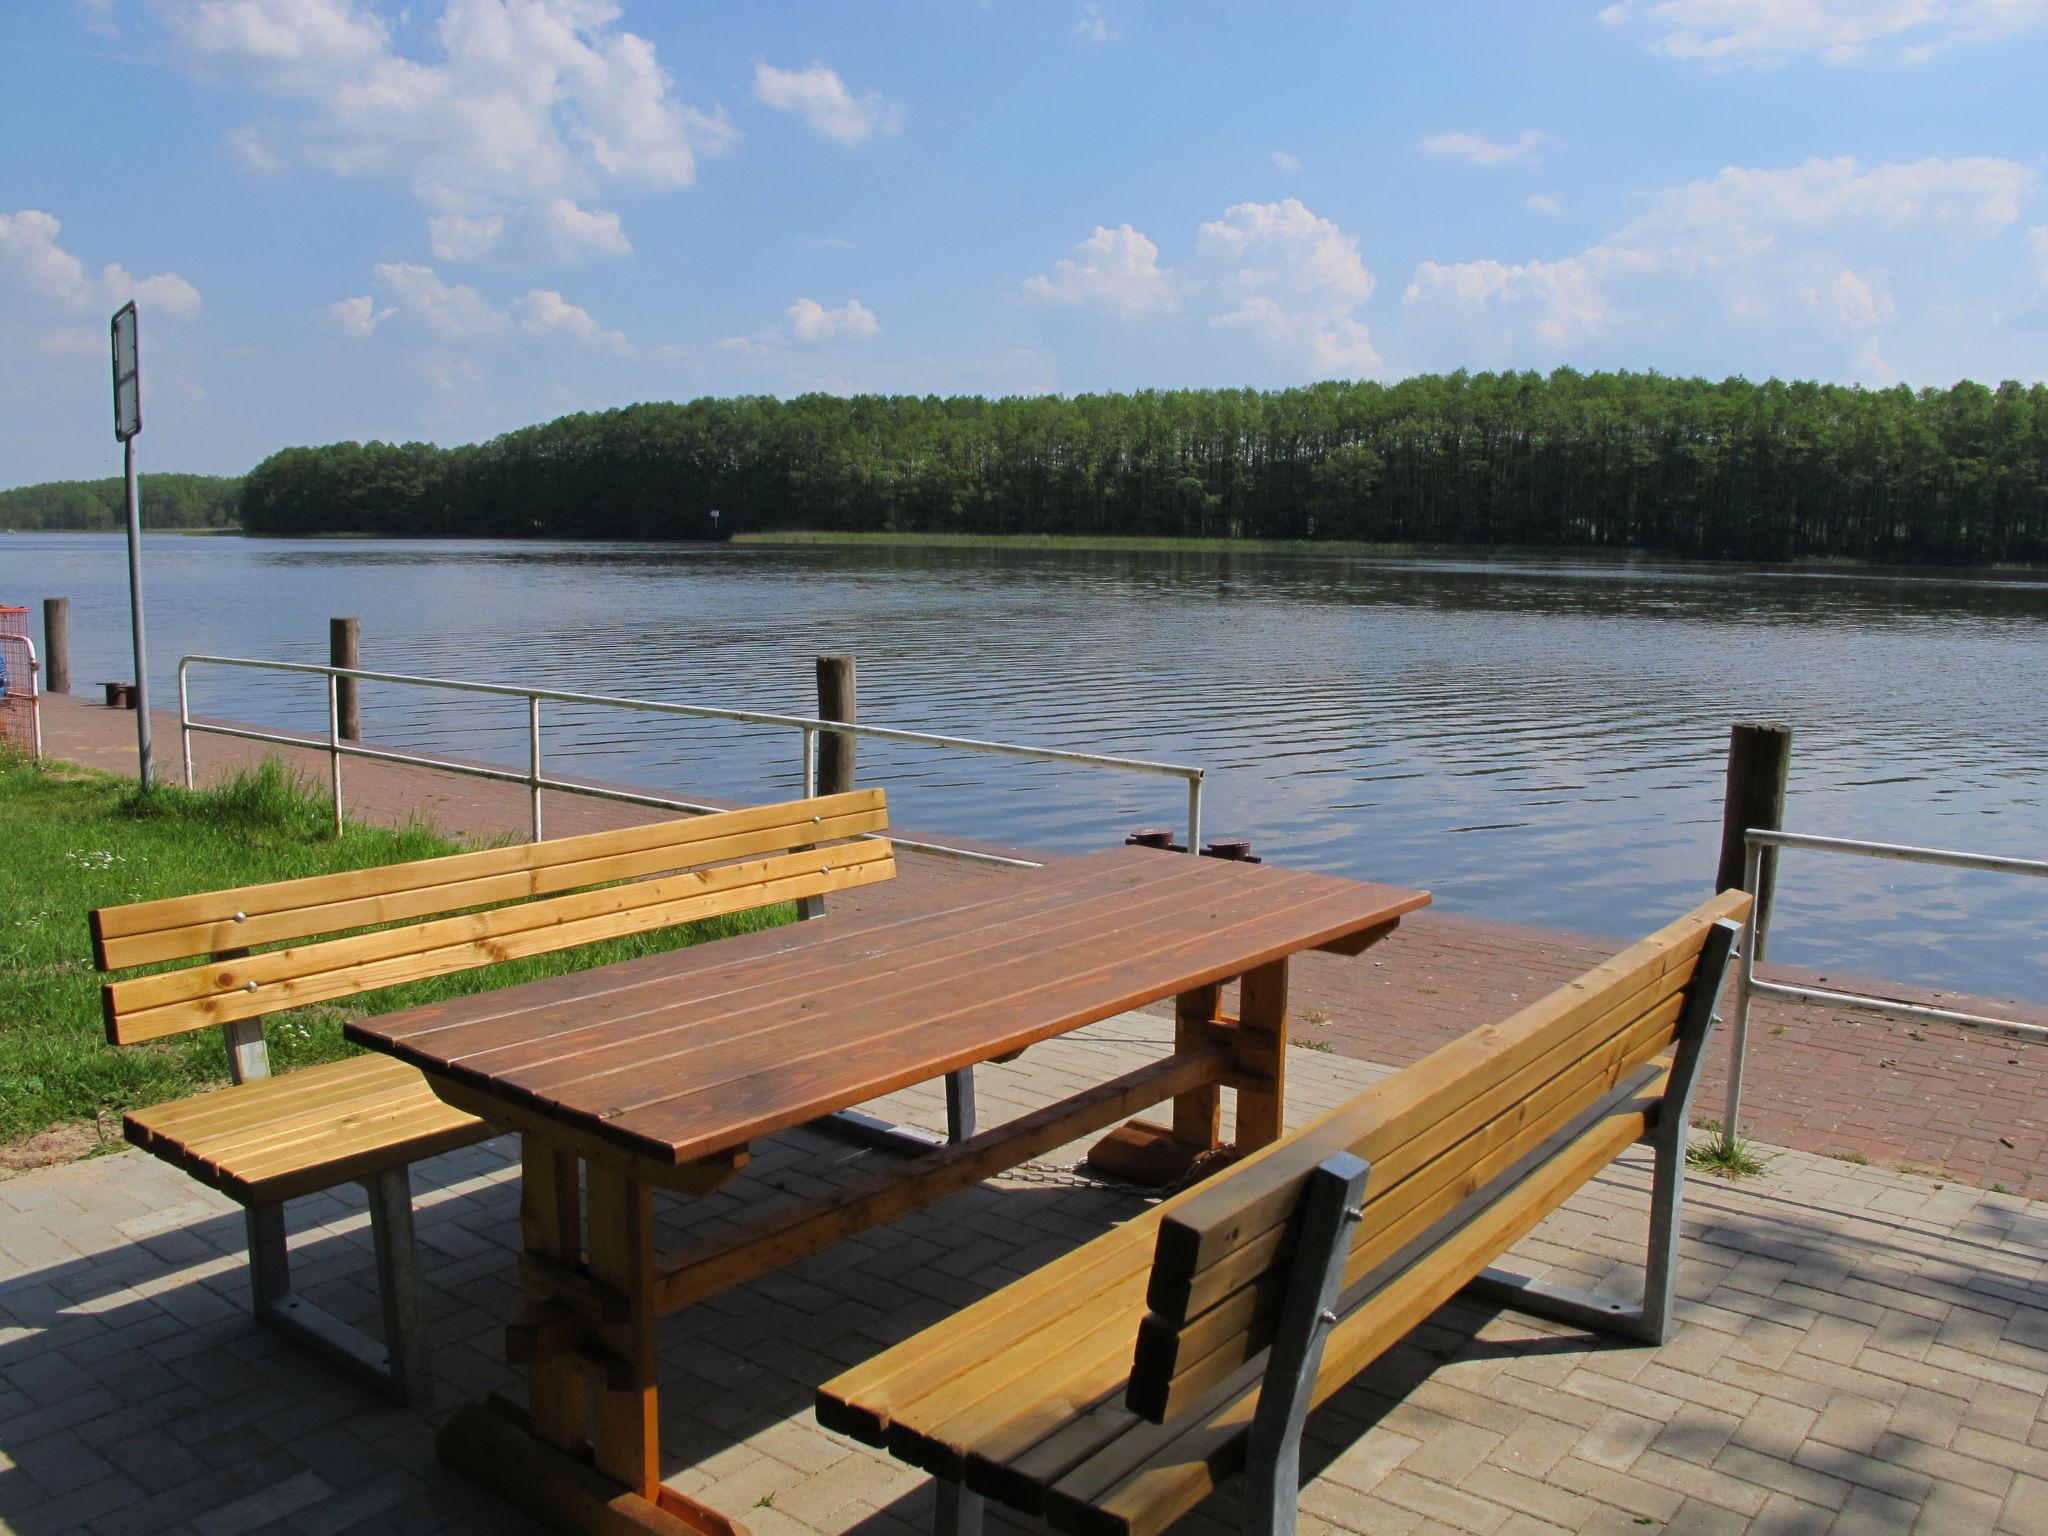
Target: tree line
[[1615, 461], [167, 501]]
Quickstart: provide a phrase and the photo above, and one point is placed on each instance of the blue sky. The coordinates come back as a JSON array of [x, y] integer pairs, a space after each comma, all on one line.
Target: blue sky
[[448, 218]]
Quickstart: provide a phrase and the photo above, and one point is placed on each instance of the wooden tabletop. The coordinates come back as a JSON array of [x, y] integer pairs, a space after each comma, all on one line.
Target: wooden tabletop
[[685, 1055]]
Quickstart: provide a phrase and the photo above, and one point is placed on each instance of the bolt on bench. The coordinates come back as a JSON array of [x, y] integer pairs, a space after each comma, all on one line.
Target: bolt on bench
[[1258, 1294], [266, 1140]]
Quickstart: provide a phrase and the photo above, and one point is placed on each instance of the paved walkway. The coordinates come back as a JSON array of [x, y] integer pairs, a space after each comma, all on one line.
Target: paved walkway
[[1857, 1351], [1967, 1106]]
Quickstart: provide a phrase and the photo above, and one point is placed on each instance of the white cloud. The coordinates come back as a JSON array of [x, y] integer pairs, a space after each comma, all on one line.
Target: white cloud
[[853, 320], [1094, 26], [1753, 33], [1538, 202], [528, 100], [581, 232], [458, 237], [1117, 269], [1294, 279], [451, 311], [1477, 149], [821, 98], [55, 279], [1764, 244], [357, 317], [1283, 161], [544, 312]]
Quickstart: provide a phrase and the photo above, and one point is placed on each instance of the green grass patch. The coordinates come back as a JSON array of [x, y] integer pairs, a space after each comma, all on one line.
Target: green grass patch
[[72, 840], [1730, 1157]]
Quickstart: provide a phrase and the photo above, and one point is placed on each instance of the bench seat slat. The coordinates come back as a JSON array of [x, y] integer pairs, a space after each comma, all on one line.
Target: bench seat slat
[[306, 1124], [143, 932]]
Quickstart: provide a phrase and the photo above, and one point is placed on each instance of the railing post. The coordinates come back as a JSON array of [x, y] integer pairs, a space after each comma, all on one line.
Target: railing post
[[1759, 759], [185, 718], [533, 758], [1738, 1037], [344, 649], [334, 745], [56, 645]]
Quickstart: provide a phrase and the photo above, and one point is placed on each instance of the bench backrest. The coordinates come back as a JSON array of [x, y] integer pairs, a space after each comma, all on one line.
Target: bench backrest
[[1568, 1081], [469, 910]]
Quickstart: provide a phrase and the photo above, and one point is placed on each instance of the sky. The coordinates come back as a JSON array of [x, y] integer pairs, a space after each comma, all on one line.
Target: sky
[[445, 219]]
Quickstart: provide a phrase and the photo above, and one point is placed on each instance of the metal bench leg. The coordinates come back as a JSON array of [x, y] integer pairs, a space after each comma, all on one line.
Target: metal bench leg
[[959, 1510], [400, 1364], [1651, 1320], [1272, 1473], [960, 1104]]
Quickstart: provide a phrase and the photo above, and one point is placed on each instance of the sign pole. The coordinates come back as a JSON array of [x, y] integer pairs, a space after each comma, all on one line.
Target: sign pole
[[128, 422]]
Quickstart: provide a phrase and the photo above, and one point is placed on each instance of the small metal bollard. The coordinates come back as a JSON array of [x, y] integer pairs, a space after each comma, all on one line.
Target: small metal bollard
[[120, 695], [1234, 850]]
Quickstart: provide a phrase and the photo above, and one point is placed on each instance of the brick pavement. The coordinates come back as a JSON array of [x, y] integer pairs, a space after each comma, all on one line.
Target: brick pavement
[[1970, 1106], [1857, 1350]]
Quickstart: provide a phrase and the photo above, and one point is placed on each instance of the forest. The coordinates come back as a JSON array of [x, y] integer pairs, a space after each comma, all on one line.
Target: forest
[[1604, 461], [167, 501]]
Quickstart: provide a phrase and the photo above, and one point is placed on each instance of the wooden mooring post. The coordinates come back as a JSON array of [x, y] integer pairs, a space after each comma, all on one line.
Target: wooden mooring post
[[1759, 761], [838, 699], [344, 649], [56, 645]]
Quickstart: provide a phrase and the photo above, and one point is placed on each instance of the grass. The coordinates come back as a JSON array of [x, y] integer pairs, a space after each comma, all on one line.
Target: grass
[[1730, 1157], [1146, 544], [72, 840]]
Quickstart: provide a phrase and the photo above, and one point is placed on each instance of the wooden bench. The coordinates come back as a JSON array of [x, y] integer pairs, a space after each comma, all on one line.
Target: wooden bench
[[1113, 1389], [267, 1139]]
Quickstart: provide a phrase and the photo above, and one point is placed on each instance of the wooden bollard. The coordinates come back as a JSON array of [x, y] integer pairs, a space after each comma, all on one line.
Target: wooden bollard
[[1759, 761], [838, 699], [56, 645], [344, 649]]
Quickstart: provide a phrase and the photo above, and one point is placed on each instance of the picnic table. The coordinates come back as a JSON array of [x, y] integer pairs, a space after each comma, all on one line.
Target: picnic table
[[658, 1074]]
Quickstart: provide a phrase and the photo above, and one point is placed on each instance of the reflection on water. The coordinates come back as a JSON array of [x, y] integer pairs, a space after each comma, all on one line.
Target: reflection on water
[[1541, 742]]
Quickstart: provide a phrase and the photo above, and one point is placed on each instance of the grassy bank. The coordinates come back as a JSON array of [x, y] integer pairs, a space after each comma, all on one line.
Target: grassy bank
[[72, 840], [1121, 542]]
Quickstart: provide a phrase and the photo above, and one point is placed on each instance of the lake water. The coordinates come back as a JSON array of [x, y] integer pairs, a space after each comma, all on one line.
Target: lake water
[[1541, 742]]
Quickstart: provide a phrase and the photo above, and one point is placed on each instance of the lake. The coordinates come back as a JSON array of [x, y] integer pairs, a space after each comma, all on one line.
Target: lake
[[1535, 741]]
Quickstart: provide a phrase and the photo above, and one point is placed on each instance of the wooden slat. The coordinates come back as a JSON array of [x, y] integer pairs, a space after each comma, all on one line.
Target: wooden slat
[[1259, 1195], [336, 901], [150, 1007]]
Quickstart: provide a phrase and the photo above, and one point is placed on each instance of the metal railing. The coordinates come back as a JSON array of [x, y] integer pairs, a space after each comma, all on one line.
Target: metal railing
[[34, 694], [1756, 933], [536, 781]]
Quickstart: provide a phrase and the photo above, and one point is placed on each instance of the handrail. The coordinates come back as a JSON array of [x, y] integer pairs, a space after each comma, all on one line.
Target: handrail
[[536, 781], [1756, 929]]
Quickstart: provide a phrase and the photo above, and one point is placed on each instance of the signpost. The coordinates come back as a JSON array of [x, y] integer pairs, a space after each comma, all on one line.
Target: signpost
[[128, 422]]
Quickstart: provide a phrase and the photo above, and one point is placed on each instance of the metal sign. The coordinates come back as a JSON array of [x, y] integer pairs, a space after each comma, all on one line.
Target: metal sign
[[127, 375]]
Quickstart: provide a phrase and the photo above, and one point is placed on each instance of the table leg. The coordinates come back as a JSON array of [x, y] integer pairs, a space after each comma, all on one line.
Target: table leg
[[1148, 1153], [628, 1441], [1198, 1116], [551, 1226], [1262, 1055], [592, 1474]]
